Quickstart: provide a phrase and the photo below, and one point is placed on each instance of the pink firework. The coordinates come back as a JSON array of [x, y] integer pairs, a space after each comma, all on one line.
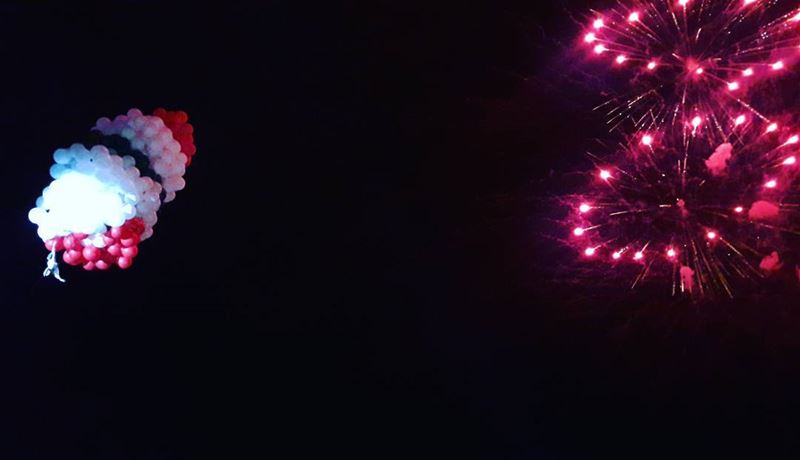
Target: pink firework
[[702, 189], [692, 65]]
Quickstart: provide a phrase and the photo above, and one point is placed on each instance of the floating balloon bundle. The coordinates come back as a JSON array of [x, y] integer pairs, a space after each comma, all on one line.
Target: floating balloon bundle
[[106, 193], [703, 188]]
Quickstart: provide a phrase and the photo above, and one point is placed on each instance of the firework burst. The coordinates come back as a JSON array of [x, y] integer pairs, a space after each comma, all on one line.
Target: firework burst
[[688, 63], [703, 190]]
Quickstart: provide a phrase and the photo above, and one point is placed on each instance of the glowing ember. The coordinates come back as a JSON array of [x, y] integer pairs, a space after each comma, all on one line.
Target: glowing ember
[[621, 58], [777, 66], [590, 252], [604, 174], [584, 208], [748, 72], [600, 49], [711, 235], [790, 161], [651, 65], [638, 256], [671, 253], [647, 139], [772, 128], [590, 37], [598, 24], [733, 86], [740, 120], [793, 140], [697, 121], [634, 17], [738, 209], [771, 184], [616, 255]]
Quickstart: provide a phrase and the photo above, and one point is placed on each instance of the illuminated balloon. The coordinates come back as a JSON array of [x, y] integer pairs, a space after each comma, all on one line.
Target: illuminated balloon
[[105, 193]]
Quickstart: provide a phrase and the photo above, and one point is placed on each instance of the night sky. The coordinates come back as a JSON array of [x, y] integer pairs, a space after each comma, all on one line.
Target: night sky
[[361, 265]]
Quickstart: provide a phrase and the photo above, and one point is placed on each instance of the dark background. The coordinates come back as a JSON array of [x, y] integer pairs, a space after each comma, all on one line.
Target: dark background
[[359, 266]]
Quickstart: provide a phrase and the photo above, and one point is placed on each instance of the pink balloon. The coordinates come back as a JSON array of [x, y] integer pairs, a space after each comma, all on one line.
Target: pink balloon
[[114, 250], [130, 241], [124, 262], [91, 253], [130, 252], [69, 242]]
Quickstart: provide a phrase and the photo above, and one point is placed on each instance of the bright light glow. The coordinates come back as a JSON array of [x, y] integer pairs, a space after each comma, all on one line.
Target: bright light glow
[[772, 128], [771, 184], [733, 86], [79, 203], [777, 66], [671, 253], [647, 140], [584, 208], [738, 209], [748, 2], [590, 37], [790, 161], [590, 252], [748, 72], [604, 174], [638, 256], [652, 65], [634, 17], [793, 140], [696, 121], [699, 71], [578, 231], [740, 120], [711, 235], [621, 58], [795, 18], [683, 2], [598, 24], [617, 255], [600, 49]]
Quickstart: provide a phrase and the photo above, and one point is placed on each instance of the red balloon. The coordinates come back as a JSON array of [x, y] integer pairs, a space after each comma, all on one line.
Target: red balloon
[[108, 240], [114, 250], [57, 242], [124, 262], [73, 257], [102, 265], [116, 232], [69, 242], [88, 266], [130, 252], [131, 241], [91, 253]]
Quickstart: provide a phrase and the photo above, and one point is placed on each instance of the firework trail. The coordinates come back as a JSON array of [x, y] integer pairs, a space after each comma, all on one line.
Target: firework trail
[[702, 189]]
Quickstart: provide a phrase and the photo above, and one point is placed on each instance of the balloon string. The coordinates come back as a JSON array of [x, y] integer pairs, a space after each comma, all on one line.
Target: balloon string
[[52, 265]]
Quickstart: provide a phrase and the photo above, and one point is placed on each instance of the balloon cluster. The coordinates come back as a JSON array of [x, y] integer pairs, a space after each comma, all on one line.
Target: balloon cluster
[[117, 246], [104, 199]]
